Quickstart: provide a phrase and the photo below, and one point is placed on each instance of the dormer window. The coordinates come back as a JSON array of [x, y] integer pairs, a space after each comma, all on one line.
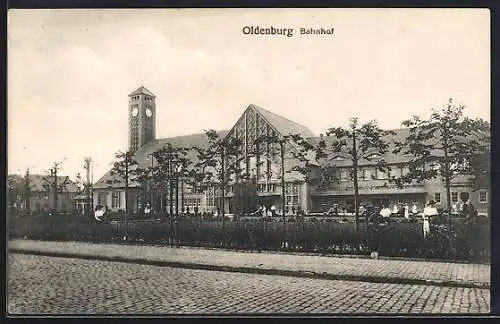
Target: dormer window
[[436, 166], [373, 156]]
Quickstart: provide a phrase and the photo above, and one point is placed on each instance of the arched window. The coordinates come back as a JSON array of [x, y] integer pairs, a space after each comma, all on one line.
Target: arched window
[[373, 156]]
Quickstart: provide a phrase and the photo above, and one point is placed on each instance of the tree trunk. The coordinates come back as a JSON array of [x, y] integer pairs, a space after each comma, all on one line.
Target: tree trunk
[[223, 195], [182, 196], [177, 208], [447, 179], [170, 193], [355, 182], [127, 209], [27, 193], [282, 153], [55, 188]]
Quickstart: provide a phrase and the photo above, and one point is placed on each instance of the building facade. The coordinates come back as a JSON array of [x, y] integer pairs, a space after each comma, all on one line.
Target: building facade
[[266, 167], [42, 195]]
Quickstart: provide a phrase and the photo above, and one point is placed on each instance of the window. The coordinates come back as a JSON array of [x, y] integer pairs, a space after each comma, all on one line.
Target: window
[[344, 175], [268, 169], [483, 196], [373, 156], [115, 199], [454, 197], [395, 172], [435, 166], [382, 175], [405, 170], [101, 198], [337, 158], [437, 197], [292, 200], [367, 174]]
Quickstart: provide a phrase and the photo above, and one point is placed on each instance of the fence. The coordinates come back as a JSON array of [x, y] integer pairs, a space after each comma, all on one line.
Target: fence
[[469, 242]]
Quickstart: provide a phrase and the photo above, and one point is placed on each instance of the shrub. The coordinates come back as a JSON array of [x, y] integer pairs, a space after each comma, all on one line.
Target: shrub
[[469, 242]]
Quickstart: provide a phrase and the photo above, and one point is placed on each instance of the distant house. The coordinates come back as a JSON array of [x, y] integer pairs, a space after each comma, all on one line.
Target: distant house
[[82, 203], [42, 193]]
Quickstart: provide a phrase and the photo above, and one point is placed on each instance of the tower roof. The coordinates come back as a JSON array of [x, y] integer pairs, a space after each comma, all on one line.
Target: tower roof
[[142, 90]]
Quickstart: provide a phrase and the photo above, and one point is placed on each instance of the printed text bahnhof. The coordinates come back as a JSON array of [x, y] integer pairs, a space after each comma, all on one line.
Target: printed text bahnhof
[[288, 32]]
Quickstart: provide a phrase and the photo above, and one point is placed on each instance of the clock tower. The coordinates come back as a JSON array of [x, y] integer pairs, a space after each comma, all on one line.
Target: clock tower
[[142, 118]]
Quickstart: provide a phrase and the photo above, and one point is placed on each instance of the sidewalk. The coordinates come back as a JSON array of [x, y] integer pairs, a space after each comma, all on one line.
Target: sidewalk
[[333, 268]]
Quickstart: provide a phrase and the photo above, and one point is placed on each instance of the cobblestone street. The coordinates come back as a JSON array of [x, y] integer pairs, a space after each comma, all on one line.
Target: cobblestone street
[[478, 274], [49, 285]]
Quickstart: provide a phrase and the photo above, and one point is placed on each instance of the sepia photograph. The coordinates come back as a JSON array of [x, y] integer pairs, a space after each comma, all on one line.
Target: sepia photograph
[[248, 162]]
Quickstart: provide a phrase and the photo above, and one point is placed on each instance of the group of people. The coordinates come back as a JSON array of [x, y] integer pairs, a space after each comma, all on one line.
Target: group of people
[[403, 210], [466, 210], [269, 211]]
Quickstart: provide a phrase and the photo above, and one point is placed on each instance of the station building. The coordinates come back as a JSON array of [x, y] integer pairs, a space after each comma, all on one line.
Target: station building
[[374, 185]]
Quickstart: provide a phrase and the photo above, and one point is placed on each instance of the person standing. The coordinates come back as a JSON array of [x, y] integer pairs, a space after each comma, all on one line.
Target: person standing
[[361, 210], [467, 211], [414, 209], [385, 212], [429, 211], [273, 211], [406, 211], [395, 210]]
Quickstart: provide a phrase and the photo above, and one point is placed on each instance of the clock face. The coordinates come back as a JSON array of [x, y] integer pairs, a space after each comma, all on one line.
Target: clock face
[[135, 112], [148, 113]]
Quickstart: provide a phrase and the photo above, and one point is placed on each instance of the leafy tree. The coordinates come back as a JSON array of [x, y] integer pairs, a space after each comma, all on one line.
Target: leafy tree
[[125, 171], [357, 142], [27, 191], [218, 163], [445, 145], [299, 148], [172, 163], [245, 196], [52, 185], [15, 184]]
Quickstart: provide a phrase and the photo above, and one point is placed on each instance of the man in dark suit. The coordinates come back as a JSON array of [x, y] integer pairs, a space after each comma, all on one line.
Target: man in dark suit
[[467, 211]]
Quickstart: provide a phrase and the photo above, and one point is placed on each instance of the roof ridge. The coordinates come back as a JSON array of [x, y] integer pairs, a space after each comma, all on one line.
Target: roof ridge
[[272, 113], [193, 134]]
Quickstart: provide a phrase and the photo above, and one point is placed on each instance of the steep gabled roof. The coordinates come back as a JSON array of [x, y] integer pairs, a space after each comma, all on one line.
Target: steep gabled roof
[[39, 183], [142, 90], [399, 136], [283, 125], [144, 160]]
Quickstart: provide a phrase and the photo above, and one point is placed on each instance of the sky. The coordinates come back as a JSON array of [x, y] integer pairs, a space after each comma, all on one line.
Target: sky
[[70, 73]]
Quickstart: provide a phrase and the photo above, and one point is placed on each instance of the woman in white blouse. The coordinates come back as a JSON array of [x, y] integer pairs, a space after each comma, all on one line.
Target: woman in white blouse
[[429, 211]]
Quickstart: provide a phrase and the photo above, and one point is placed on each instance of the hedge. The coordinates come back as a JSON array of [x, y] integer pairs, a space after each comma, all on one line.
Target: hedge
[[469, 242]]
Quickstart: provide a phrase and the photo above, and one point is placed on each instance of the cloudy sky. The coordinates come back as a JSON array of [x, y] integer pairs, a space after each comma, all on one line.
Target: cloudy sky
[[70, 72]]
